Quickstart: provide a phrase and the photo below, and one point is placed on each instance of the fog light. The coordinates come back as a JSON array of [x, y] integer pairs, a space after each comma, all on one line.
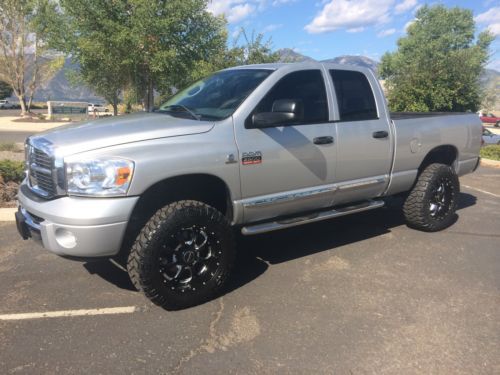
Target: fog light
[[65, 238]]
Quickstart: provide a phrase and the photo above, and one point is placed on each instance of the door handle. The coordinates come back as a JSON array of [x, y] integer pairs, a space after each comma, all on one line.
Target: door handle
[[380, 134], [323, 140]]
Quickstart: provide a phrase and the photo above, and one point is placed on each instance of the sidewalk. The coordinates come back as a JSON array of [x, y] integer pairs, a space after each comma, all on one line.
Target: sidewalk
[[8, 125]]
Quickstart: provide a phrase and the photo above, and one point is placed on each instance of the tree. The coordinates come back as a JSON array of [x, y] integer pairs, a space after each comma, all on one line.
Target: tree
[[141, 45], [96, 34], [23, 61], [253, 51], [5, 90], [438, 63], [172, 40]]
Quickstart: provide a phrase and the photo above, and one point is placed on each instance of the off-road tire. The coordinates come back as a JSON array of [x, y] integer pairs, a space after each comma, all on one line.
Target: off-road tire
[[418, 209], [145, 258]]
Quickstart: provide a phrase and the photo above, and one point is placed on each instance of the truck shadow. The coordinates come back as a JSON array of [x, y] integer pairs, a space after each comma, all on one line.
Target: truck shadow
[[257, 253]]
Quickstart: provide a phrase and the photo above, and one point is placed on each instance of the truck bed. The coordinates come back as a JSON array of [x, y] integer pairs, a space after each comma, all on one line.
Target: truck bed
[[414, 115]]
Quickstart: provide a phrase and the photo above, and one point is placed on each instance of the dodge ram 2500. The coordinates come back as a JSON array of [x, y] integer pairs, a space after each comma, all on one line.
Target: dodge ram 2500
[[253, 148]]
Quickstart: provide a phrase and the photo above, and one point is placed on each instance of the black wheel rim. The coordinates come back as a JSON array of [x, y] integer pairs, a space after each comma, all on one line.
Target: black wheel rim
[[190, 259], [442, 198]]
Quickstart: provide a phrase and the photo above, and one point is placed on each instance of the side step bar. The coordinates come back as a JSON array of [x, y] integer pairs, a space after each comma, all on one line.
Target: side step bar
[[311, 218]]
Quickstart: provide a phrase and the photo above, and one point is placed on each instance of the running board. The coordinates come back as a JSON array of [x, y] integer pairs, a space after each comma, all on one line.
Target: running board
[[311, 218]]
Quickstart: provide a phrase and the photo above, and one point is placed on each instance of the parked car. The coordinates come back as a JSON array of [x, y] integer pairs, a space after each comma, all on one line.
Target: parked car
[[490, 118], [5, 104], [255, 149], [97, 108], [490, 138]]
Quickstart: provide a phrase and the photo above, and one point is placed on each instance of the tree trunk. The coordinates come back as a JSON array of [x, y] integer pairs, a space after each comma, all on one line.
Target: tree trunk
[[115, 106], [149, 100], [30, 102], [22, 102]]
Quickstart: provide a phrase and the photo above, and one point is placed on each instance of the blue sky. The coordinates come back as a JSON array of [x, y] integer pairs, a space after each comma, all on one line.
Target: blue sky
[[328, 28]]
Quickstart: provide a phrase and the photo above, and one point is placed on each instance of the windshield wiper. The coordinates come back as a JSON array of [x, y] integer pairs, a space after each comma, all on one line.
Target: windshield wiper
[[183, 108]]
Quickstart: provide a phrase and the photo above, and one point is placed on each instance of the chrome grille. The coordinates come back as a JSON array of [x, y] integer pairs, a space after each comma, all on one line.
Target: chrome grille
[[41, 174]]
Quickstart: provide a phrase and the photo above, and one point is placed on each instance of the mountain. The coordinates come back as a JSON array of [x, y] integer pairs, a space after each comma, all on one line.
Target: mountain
[[363, 61], [289, 55], [59, 88]]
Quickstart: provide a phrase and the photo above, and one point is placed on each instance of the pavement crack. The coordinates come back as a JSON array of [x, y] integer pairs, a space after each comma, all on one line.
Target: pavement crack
[[206, 345]]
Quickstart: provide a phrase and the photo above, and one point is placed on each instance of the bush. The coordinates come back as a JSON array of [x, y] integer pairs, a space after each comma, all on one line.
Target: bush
[[491, 152], [12, 171], [9, 146]]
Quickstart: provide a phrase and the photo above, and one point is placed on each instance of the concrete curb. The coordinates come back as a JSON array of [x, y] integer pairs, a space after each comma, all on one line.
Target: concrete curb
[[490, 163], [7, 214]]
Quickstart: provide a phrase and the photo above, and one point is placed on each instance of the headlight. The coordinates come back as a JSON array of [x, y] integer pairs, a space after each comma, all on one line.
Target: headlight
[[100, 177]]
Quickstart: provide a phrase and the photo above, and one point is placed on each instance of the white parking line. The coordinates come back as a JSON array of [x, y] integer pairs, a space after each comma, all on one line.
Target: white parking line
[[482, 191], [69, 313]]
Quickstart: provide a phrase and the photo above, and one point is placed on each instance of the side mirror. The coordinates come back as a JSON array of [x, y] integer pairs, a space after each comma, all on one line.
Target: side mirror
[[284, 111]]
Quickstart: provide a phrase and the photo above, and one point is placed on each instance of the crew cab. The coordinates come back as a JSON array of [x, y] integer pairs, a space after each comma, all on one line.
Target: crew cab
[[252, 149]]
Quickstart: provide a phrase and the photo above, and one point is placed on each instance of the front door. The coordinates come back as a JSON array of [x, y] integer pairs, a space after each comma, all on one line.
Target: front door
[[288, 169]]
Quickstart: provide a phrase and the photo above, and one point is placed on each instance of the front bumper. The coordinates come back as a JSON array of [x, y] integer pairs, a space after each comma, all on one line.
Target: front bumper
[[75, 226]]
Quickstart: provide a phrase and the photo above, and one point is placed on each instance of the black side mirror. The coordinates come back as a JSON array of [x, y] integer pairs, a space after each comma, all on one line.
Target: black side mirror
[[284, 111]]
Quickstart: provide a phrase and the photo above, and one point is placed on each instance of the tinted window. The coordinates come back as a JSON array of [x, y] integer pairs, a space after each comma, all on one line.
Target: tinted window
[[354, 95], [306, 87]]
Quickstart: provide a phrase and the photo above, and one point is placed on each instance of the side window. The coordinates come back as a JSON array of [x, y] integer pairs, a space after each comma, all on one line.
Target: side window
[[307, 87], [354, 95]]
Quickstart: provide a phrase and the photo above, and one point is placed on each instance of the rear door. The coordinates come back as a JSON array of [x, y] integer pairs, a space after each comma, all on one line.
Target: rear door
[[364, 153]]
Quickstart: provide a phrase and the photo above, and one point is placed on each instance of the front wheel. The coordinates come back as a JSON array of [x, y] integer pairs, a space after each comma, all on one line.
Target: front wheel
[[432, 202], [497, 124], [183, 256]]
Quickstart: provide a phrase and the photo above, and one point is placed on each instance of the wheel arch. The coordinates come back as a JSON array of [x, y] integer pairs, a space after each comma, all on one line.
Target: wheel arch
[[443, 154], [206, 188]]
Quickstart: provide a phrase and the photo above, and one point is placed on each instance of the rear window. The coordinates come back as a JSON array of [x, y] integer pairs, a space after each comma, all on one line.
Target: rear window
[[354, 95]]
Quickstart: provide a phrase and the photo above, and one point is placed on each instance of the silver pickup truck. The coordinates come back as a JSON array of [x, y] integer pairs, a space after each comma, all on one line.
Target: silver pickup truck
[[253, 148]]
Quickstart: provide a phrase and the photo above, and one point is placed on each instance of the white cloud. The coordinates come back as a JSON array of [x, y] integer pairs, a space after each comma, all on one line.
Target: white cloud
[[405, 6], [355, 29], [237, 10], [490, 19], [350, 15], [234, 10], [280, 2], [408, 24], [386, 32], [272, 27]]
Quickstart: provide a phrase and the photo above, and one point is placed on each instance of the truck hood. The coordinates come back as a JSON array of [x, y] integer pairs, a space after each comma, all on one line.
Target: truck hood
[[92, 135]]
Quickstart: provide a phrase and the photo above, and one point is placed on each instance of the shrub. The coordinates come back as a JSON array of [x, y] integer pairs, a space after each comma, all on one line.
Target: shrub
[[491, 152], [12, 170], [9, 146]]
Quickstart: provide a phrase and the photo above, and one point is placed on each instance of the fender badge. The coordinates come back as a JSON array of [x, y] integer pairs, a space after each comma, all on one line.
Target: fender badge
[[251, 158]]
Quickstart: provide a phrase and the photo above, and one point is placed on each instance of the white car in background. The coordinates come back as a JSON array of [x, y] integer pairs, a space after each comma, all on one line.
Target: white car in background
[[5, 104], [97, 108], [490, 138]]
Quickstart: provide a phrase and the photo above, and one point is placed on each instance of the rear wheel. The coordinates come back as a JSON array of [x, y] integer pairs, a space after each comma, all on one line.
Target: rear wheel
[[183, 255], [432, 203], [497, 124]]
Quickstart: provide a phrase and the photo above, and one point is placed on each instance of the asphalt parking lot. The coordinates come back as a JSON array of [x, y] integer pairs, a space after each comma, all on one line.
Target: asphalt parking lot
[[360, 294]]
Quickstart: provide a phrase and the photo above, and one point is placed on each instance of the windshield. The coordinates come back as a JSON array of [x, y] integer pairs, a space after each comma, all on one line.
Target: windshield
[[215, 97]]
